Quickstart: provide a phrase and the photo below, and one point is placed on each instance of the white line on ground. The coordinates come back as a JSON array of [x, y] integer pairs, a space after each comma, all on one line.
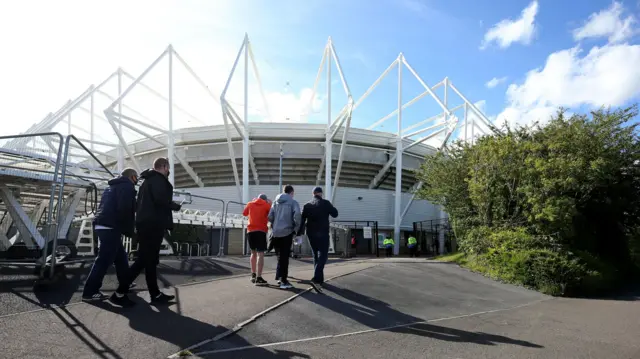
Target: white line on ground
[[247, 347], [240, 325], [204, 281], [372, 260]]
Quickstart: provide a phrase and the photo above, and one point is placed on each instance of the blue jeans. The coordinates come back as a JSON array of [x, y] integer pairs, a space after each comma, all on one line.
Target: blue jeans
[[111, 252], [320, 249]]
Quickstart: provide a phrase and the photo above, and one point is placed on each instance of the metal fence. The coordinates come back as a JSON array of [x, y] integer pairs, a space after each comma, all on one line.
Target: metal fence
[[366, 238], [41, 178], [429, 232]]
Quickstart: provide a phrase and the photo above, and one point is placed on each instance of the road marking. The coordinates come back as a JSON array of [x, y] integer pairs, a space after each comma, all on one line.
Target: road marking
[[236, 328], [204, 281], [331, 336]]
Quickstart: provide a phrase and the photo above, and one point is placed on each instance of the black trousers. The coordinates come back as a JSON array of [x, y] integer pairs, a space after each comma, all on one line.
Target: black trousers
[[282, 245], [150, 240], [389, 251], [413, 251]]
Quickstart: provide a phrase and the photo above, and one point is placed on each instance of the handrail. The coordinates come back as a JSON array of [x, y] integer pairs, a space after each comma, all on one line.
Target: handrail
[[52, 194]]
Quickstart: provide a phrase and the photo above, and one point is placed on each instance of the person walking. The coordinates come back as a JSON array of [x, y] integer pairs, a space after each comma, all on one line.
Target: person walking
[[153, 219], [114, 218], [315, 220], [412, 243], [258, 212], [285, 222], [388, 245]]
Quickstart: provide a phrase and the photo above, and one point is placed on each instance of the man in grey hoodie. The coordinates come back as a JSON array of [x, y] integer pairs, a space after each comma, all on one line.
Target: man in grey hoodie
[[285, 222]]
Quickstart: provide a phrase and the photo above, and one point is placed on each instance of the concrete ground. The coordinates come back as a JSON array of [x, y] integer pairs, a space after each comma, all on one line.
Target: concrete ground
[[370, 309]]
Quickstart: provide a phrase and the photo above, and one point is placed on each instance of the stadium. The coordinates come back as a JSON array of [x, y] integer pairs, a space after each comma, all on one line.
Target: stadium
[[66, 158]]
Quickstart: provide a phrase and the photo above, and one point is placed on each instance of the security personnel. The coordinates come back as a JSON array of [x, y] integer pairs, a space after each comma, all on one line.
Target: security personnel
[[412, 243], [388, 245]]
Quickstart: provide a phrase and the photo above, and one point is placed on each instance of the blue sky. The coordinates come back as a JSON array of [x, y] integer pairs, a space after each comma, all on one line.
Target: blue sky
[[55, 58]]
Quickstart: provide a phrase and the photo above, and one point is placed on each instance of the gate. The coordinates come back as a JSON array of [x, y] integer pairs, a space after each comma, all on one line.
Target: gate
[[366, 236], [429, 232]]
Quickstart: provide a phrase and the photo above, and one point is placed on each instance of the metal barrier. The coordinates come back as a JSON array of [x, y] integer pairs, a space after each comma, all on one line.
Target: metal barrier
[[217, 217], [197, 246], [226, 218], [29, 165], [188, 249], [366, 235], [65, 157]]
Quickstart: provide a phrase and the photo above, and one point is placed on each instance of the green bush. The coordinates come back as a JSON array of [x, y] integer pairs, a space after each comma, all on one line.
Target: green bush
[[544, 270], [476, 240]]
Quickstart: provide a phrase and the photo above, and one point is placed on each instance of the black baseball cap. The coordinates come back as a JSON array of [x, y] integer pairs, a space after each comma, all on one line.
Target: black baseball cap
[[317, 190]]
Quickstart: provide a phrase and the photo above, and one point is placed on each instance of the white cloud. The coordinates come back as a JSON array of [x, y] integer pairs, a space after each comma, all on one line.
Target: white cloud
[[607, 75], [495, 82], [507, 31], [607, 23]]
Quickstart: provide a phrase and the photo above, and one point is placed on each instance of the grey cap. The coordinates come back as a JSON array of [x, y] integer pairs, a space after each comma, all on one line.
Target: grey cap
[[263, 196], [317, 190]]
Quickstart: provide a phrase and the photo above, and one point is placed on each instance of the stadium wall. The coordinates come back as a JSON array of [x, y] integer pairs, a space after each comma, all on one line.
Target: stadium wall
[[375, 205]]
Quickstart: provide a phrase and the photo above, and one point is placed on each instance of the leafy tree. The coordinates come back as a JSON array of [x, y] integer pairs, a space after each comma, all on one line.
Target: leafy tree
[[573, 184]]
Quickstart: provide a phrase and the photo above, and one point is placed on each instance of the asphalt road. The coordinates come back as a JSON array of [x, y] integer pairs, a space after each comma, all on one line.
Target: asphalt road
[[18, 294], [435, 310]]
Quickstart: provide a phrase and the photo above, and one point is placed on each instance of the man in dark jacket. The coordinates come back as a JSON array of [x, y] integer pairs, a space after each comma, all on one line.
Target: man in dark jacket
[[315, 214], [153, 219], [114, 218]]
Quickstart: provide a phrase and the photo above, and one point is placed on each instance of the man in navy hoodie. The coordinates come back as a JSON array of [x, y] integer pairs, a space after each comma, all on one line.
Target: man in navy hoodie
[[114, 218], [315, 220], [153, 219]]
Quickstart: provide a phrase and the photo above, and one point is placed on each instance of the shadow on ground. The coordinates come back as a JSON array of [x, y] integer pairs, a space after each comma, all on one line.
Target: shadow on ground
[[376, 314], [20, 290], [162, 323]]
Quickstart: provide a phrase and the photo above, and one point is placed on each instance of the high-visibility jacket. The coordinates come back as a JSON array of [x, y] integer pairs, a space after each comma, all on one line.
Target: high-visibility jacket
[[412, 241], [388, 241]]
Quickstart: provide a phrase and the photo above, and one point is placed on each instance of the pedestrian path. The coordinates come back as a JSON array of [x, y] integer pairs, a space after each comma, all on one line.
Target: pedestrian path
[[201, 312]]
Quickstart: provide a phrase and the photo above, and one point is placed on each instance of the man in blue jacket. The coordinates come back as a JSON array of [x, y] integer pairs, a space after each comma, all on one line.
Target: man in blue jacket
[[153, 220], [114, 218], [315, 214]]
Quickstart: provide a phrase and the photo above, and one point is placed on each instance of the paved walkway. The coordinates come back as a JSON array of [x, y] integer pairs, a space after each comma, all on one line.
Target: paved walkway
[[400, 308]]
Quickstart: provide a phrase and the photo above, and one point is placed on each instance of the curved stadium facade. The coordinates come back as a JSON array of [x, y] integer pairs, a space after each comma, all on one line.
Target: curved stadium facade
[[365, 187]]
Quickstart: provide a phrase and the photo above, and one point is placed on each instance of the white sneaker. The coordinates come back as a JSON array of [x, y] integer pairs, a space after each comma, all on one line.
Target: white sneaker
[[285, 285]]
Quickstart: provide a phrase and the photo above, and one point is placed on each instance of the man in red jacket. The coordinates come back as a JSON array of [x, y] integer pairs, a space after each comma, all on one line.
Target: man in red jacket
[[258, 212]]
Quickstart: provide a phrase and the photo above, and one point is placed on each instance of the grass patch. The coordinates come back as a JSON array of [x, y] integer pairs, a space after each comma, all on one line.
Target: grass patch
[[458, 258]]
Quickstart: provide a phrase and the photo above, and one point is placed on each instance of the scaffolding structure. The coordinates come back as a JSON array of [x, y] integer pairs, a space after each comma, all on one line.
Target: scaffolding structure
[[463, 121]]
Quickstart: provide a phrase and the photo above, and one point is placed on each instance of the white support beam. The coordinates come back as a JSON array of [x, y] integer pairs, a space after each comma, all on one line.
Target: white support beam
[[245, 139], [433, 95], [475, 109], [398, 190], [182, 161], [315, 83], [404, 107], [414, 190], [378, 177], [162, 97], [341, 155], [139, 78], [429, 120], [254, 170], [328, 156], [171, 144], [130, 109], [256, 73], [25, 226], [375, 83], [235, 119], [111, 116]]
